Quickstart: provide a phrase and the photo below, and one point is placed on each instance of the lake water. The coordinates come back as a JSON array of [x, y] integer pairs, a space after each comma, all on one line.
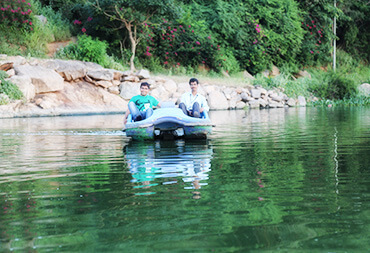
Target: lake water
[[279, 180]]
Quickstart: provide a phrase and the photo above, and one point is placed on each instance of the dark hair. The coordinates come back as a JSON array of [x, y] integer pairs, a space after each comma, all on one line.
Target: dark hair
[[145, 84], [193, 80]]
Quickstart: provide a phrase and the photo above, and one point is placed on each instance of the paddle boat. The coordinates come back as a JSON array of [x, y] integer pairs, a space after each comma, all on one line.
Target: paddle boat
[[169, 123]]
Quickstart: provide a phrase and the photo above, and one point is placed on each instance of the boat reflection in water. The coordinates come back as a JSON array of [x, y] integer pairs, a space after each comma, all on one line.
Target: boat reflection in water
[[182, 164]]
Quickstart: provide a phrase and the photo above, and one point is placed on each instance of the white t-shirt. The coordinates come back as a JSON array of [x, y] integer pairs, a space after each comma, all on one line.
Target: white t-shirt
[[189, 99]]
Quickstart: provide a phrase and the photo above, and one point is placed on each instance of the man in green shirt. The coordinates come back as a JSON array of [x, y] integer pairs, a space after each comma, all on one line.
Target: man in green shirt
[[141, 106]]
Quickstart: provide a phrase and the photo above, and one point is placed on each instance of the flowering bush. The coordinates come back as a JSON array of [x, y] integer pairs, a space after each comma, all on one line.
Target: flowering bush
[[178, 44], [317, 41], [17, 13]]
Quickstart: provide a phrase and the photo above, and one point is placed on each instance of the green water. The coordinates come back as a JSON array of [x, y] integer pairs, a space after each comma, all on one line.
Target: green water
[[279, 180]]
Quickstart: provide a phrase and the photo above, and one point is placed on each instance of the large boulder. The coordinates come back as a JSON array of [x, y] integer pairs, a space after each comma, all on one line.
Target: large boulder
[[217, 100], [128, 90], [25, 85], [143, 74], [301, 101], [170, 86], [69, 70], [274, 72], [160, 93], [256, 93], [101, 74], [44, 80], [364, 89]]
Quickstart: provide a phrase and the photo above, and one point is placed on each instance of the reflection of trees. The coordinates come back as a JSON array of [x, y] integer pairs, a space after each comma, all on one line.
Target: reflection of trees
[[289, 167]]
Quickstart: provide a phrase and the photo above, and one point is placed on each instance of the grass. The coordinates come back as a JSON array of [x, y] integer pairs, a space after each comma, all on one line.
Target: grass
[[236, 80]]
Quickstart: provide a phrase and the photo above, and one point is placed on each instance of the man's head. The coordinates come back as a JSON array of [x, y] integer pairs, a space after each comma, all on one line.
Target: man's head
[[193, 82], [144, 89]]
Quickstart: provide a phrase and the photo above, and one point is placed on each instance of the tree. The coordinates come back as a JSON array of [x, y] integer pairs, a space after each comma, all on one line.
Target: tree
[[133, 15]]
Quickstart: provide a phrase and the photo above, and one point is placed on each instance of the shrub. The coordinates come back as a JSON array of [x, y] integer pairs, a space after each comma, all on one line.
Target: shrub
[[8, 88], [333, 86], [57, 25], [86, 49]]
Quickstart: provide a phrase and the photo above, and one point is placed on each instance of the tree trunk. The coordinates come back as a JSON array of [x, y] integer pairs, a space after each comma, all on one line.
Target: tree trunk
[[133, 46]]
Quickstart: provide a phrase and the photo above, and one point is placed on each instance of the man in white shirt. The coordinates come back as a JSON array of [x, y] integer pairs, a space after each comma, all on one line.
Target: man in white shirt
[[192, 103]]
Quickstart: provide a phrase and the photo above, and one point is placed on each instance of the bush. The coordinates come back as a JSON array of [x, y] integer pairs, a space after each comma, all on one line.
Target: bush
[[56, 24], [333, 86], [8, 88], [85, 49]]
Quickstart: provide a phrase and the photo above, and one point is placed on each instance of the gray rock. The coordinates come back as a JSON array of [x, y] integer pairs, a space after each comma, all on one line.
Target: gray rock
[[240, 105], [291, 102], [253, 104], [263, 103], [42, 19], [256, 93], [276, 97], [217, 100], [44, 80], [303, 73], [10, 72], [128, 90], [170, 86], [69, 70], [103, 74], [160, 93], [24, 83], [143, 74], [274, 72], [364, 89], [114, 90], [301, 101], [104, 84], [131, 78]]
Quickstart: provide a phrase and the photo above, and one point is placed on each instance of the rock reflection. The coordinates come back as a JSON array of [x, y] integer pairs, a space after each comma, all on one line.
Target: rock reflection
[[184, 163]]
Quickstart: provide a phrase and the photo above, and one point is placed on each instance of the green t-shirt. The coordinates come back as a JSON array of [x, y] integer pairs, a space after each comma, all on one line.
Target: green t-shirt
[[144, 102]]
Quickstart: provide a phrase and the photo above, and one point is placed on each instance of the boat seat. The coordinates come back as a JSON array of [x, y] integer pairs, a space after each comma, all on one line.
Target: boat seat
[[167, 104]]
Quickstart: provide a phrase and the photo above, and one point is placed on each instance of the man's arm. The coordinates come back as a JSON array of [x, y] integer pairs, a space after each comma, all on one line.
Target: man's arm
[[126, 116]]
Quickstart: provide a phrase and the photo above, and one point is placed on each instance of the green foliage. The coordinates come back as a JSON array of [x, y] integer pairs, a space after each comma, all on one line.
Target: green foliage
[[57, 25], [86, 49], [334, 86], [317, 24], [8, 88], [354, 101], [353, 28]]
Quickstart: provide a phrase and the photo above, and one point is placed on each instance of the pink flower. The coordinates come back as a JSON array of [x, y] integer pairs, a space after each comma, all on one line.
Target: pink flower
[[89, 19], [30, 23], [192, 31], [209, 37], [167, 53], [166, 62], [178, 64], [83, 30], [197, 42], [203, 62], [189, 26], [29, 4], [311, 52]]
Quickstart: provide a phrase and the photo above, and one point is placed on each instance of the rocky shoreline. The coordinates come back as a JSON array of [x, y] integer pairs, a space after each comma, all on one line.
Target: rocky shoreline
[[54, 87]]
